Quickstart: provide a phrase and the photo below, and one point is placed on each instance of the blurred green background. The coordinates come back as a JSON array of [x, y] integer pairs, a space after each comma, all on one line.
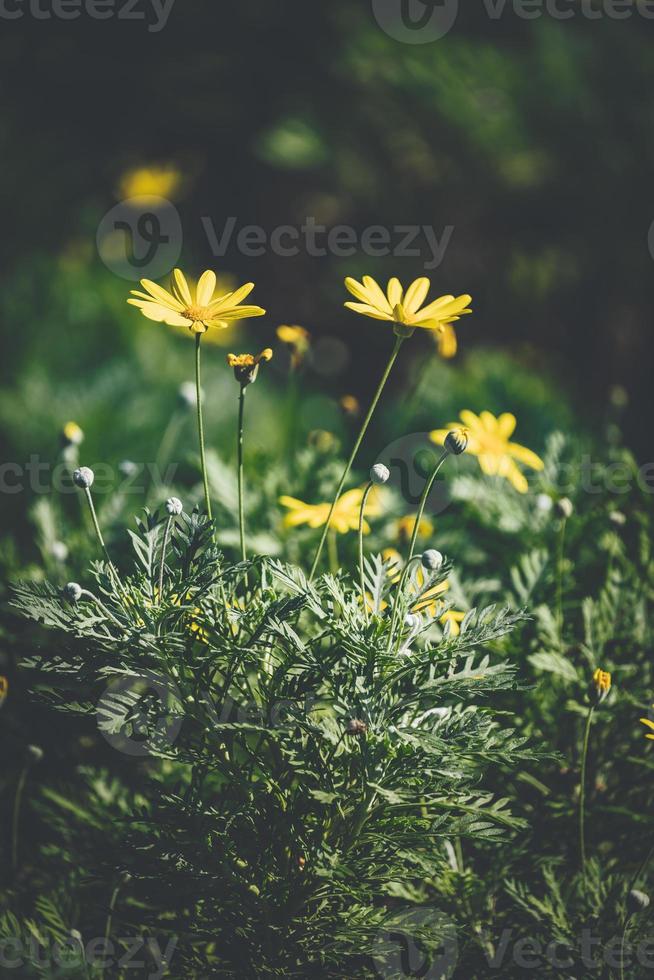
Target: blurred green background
[[532, 139]]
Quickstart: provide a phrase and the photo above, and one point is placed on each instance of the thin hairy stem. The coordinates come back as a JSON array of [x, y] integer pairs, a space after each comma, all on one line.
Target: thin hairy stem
[[239, 445], [362, 579], [203, 458], [98, 532], [164, 546], [423, 501], [582, 791]]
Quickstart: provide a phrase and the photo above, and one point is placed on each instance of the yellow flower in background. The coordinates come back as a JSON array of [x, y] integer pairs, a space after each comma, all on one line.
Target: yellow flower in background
[[446, 340], [650, 725], [297, 339], [154, 181], [199, 312], [488, 439], [350, 405], [73, 434], [404, 527], [454, 618], [345, 517], [405, 307], [4, 689]]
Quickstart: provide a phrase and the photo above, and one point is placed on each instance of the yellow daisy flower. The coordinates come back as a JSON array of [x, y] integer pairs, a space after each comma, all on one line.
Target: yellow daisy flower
[[488, 439], [345, 517], [650, 725], [199, 312], [454, 618], [155, 181], [405, 307], [297, 339], [404, 527]]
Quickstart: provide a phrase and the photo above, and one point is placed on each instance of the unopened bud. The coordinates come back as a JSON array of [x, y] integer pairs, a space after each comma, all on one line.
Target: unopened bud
[[456, 442], [35, 752], [564, 508], [379, 474], [72, 591], [432, 560], [83, 477], [600, 686], [637, 901], [174, 506]]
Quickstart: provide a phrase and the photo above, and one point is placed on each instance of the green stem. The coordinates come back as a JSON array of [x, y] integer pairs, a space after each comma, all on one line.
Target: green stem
[[423, 500], [107, 931], [355, 450], [198, 394], [98, 532], [241, 511], [362, 579], [16, 816], [398, 601], [164, 546], [622, 943], [582, 791], [559, 580], [332, 548]]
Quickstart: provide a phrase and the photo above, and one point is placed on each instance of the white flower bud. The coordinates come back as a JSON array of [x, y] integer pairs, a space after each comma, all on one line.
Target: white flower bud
[[432, 560], [637, 901], [379, 474], [72, 591], [83, 477], [412, 621], [59, 551], [35, 752], [564, 507], [127, 468], [174, 506], [544, 502]]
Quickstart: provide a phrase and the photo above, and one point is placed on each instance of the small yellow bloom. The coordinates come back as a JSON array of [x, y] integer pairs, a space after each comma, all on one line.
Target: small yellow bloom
[[601, 685], [197, 312], [405, 307], [246, 366], [4, 689], [650, 725], [345, 517], [404, 527], [297, 339], [488, 439], [350, 405], [155, 181], [73, 434]]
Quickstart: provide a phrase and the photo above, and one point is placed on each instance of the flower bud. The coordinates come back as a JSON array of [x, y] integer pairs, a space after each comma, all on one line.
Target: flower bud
[[174, 506], [35, 752], [412, 621], [432, 560], [83, 477], [544, 502], [637, 901], [617, 518], [356, 727], [128, 468], [72, 591], [564, 508], [456, 441], [600, 686], [379, 474]]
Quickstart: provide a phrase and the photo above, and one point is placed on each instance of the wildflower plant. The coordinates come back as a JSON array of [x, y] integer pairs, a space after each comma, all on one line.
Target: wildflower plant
[[315, 744]]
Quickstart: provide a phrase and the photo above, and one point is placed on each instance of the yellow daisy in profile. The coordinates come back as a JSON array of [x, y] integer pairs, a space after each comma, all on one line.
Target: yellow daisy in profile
[[344, 518], [488, 439], [650, 725], [198, 312], [404, 307]]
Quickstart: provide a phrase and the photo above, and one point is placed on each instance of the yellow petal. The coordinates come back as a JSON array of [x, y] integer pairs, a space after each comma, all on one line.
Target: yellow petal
[[181, 286], [162, 295], [205, 288], [357, 290], [416, 294], [368, 310], [394, 292], [506, 424], [525, 456], [376, 295]]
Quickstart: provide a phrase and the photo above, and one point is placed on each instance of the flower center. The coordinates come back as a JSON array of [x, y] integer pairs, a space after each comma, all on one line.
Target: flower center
[[195, 313]]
